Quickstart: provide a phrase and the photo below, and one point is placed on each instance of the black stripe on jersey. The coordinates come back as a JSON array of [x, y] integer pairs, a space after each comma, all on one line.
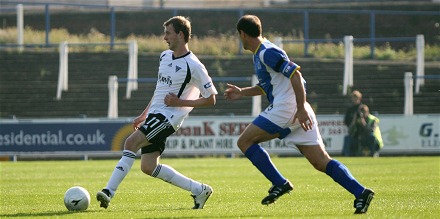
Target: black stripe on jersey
[[160, 59], [187, 79]]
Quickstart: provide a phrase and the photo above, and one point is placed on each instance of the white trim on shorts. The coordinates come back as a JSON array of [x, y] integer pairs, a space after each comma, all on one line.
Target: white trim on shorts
[[283, 117]]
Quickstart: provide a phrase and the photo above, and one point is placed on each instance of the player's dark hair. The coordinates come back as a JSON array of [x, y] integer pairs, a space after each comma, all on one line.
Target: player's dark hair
[[251, 25], [180, 23]]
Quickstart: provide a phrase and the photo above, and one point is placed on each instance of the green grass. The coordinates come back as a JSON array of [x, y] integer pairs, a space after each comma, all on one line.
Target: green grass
[[406, 187]]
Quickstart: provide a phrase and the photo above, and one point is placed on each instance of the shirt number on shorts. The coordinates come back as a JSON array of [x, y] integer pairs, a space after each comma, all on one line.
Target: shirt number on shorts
[[152, 122]]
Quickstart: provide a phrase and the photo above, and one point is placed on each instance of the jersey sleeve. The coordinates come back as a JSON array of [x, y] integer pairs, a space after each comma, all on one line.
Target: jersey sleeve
[[279, 62], [203, 81], [164, 53]]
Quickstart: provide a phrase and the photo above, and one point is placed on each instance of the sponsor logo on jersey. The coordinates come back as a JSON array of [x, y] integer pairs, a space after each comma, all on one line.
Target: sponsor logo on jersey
[[164, 80], [288, 67], [170, 65], [178, 68], [207, 85]]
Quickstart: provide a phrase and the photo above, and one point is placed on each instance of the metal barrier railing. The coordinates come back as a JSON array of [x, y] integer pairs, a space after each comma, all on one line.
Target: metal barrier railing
[[113, 86], [410, 89], [348, 56], [63, 75], [240, 11]]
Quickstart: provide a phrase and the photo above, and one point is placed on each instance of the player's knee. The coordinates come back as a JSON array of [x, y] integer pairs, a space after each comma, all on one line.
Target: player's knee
[[318, 166], [321, 164], [132, 144], [243, 144], [129, 145], [147, 169], [129, 141]]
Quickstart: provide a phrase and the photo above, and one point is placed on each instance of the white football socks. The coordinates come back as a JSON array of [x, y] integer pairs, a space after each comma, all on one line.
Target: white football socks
[[170, 175], [121, 170]]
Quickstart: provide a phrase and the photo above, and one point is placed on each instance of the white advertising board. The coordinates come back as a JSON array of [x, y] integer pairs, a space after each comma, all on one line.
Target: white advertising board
[[412, 135], [401, 134]]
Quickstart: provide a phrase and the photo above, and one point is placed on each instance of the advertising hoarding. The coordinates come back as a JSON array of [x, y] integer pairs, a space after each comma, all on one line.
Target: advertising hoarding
[[207, 135]]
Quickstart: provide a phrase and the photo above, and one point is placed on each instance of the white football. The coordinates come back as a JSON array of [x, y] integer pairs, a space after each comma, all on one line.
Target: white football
[[77, 198]]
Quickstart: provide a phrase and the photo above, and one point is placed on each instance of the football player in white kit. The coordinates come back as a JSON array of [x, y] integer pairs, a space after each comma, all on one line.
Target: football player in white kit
[[288, 117], [183, 83]]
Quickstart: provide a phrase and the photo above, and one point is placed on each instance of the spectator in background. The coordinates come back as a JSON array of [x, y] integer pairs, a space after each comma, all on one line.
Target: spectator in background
[[367, 133], [349, 148]]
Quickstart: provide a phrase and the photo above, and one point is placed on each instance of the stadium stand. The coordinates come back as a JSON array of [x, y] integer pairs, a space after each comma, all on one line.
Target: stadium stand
[[28, 81], [28, 89]]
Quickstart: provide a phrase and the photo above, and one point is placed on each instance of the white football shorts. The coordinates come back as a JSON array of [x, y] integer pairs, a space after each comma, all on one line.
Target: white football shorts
[[280, 120]]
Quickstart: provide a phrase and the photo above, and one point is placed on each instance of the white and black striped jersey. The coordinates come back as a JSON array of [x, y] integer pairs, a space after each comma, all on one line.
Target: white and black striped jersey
[[184, 76]]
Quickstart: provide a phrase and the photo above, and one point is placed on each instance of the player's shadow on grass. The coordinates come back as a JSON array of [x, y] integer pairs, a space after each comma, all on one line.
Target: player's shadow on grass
[[43, 214]]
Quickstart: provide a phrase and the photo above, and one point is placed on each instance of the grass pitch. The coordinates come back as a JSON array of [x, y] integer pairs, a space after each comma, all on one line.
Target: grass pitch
[[406, 187]]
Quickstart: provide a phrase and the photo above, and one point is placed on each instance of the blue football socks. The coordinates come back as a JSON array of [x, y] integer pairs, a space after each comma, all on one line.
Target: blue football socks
[[260, 158], [340, 174]]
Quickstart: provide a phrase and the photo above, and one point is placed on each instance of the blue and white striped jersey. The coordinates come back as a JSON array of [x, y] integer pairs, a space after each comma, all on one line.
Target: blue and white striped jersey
[[272, 67]]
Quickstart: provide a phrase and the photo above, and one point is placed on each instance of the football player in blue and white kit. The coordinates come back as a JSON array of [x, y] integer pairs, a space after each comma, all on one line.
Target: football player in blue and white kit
[[288, 117], [183, 83]]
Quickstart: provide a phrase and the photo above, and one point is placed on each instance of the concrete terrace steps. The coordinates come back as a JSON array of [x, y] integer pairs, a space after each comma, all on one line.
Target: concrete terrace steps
[[140, 98], [28, 85]]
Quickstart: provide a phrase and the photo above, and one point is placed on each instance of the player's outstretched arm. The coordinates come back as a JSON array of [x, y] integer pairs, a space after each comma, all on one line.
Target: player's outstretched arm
[[171, 99], [233, 92]]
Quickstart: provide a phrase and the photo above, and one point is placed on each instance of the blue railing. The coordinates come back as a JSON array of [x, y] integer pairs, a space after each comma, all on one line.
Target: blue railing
[[427, 77], [175, 11]]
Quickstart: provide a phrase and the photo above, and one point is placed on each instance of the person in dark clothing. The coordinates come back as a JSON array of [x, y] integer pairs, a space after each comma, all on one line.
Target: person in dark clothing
[[349, 148]]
